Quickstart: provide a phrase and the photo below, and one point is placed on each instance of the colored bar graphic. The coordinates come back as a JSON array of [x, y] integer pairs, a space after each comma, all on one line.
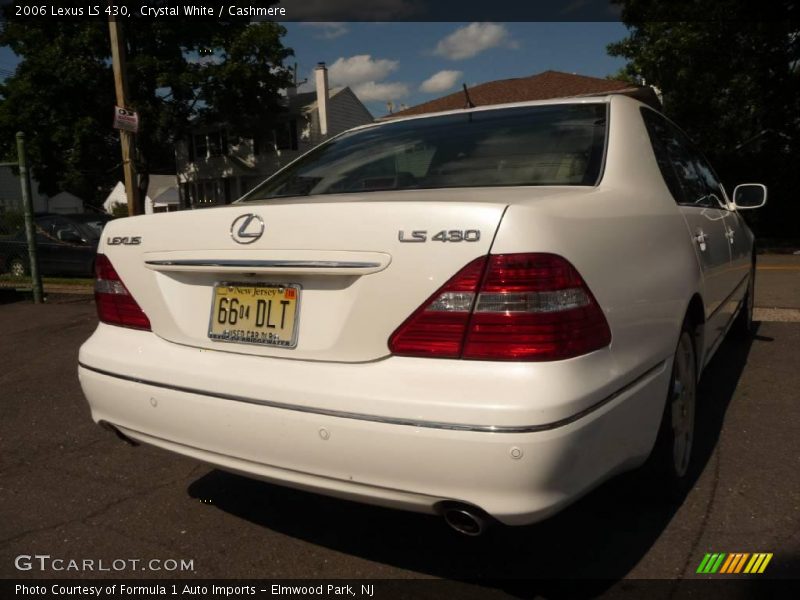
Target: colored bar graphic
[[703, 563], [717, 564], [753, 560], [767, 558], [741, 562], [729, 563], [734, 563], [711, 563]]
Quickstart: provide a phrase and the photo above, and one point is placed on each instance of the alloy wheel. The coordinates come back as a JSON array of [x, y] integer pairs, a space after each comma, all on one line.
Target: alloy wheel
[[17, 268]]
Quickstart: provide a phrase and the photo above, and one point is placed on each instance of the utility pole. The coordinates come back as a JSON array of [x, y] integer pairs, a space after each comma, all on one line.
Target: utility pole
[[27, 206], [126, 137]]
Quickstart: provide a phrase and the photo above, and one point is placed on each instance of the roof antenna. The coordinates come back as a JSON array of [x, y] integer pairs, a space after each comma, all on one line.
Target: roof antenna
[[468, 103]]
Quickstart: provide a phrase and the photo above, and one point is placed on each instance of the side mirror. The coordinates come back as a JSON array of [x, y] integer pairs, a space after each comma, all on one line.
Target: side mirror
[[750, 195], [70, 237]]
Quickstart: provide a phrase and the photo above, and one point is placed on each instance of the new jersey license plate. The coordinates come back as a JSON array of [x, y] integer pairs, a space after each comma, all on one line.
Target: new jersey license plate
[[263, 314]]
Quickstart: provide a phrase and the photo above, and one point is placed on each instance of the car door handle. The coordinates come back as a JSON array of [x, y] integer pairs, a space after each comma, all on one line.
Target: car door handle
[[701, 237]]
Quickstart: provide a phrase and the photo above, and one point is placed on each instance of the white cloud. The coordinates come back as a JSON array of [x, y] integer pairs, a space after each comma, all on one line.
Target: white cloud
[[360, 68], [441, 81], [473, 39], [370, 91], [328, 30]]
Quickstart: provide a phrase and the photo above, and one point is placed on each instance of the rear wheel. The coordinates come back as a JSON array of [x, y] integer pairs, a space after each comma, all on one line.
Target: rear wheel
[[17, 267], [672, 456]]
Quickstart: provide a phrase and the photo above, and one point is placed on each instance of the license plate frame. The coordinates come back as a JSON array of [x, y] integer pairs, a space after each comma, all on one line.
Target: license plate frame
[[265, 343]]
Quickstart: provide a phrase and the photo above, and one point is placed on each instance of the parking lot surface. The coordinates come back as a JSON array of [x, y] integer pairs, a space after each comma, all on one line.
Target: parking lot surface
[[70, 489]]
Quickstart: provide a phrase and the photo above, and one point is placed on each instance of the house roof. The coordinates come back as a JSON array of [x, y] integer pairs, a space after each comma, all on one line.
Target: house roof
[[307, 101], [159, 184], [65, 197], [544, 86], [156, 187]]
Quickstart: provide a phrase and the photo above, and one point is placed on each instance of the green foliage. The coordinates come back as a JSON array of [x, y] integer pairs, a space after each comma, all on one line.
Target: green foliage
[[733, 84], [62, 97], [624, 74], [11, 221], [119, 210], [62, 94]]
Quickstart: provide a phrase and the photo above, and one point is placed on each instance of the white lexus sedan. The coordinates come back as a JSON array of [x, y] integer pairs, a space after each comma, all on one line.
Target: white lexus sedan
[[481, 313]]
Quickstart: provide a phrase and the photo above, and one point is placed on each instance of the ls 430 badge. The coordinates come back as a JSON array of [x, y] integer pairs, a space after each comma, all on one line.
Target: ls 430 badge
[[124, 241], [451, 235]]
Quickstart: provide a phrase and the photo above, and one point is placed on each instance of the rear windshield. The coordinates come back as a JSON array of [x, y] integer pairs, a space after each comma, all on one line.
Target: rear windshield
[[534, 145]]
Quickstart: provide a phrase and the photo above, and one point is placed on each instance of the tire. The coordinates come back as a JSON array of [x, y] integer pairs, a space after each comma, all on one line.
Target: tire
[[743, 328], [671, 460], [17, 267]]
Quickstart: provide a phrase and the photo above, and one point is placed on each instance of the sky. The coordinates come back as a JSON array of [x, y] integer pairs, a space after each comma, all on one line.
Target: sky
[[409, 63]]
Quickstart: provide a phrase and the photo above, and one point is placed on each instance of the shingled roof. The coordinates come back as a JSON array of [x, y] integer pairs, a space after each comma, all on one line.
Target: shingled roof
[[546, 85]]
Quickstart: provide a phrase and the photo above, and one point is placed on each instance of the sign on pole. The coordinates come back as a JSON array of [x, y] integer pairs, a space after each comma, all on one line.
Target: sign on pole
[[126, 119]]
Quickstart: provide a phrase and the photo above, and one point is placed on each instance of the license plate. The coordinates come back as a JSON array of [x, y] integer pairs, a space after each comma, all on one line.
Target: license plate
[[263, 314]]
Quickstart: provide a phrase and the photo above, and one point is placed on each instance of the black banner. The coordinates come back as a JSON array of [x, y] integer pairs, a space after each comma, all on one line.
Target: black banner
[[418, 589], [400, 10]]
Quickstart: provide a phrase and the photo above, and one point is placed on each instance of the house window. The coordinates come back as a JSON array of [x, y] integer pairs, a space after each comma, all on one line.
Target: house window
[[208, 192], [200, 145], [286, 135], [282, 137], [189, 193], [218, 143], [205, 145]]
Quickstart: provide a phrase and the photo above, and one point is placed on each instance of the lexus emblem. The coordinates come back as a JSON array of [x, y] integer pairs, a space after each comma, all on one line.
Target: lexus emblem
[[247, 229]]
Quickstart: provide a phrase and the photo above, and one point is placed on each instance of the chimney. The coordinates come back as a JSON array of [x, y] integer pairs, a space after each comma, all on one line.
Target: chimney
[[321, 77]]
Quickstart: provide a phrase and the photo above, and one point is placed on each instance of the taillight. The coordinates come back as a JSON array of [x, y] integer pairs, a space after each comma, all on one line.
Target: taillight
[[115, 305], [533, 307], [437, 327]]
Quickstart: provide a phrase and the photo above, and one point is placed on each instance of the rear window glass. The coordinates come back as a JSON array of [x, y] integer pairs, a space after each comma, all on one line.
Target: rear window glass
[[540, 145]]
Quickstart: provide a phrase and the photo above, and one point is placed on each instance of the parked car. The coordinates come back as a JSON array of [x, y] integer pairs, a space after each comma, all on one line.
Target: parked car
[[65, 245], [481, 313]]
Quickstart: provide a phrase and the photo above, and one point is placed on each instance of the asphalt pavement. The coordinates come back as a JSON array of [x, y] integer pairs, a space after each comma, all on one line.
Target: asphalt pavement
[[71, 490]]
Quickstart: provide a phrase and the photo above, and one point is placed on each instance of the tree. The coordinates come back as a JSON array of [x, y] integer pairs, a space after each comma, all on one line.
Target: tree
[[61, 96], [732, 82], [62, 93]]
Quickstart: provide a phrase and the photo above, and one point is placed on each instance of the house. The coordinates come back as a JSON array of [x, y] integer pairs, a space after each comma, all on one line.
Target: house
[[64, 203], [11, 196], [546, 85], [214, 168], [162, 195]]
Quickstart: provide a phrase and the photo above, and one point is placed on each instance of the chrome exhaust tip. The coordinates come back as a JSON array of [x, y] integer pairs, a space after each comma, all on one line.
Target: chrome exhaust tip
[[466, 520]]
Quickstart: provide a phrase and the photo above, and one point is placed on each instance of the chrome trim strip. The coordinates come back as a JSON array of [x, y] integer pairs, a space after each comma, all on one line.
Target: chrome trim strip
[[260, 264], [393, 420]]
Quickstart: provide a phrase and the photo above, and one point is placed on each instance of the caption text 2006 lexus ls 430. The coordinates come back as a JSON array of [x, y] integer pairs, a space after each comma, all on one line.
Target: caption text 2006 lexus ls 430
[[481, 313]]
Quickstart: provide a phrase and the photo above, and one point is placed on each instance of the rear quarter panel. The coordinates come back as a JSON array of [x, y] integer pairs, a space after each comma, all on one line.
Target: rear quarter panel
[[628, 241]]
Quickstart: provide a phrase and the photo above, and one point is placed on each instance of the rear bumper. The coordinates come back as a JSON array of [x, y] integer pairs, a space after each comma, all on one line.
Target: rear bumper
[[517, 476]]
